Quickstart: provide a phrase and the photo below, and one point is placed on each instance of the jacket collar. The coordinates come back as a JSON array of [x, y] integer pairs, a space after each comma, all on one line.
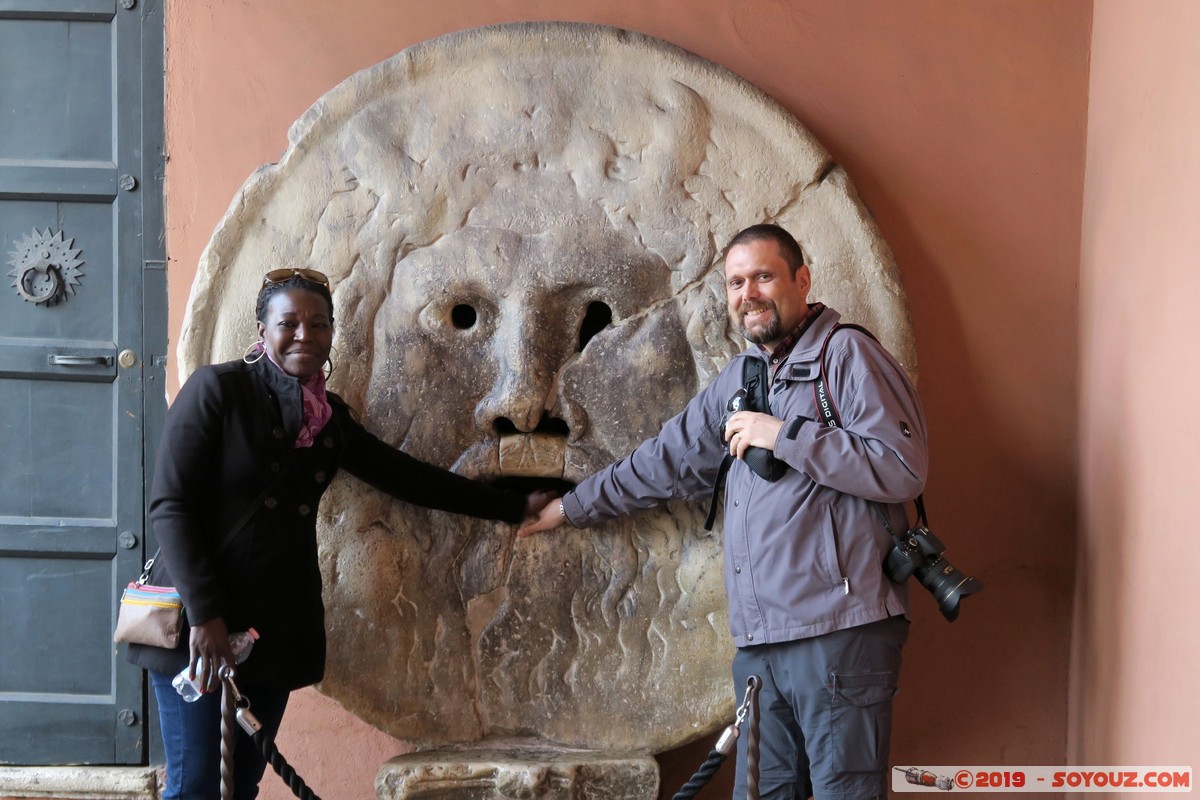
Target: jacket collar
[[809, 346], [285, 390]]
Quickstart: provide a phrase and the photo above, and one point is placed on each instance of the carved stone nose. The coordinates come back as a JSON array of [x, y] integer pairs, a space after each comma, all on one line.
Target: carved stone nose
[[530, 346], [527, 356], [531, 442], [516, 403]]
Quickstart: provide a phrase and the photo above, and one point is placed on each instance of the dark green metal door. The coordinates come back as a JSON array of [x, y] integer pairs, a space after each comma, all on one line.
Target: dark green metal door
[[81, 308]]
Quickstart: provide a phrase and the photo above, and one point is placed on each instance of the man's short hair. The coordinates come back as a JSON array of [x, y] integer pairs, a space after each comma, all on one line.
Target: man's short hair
[[789, 248]]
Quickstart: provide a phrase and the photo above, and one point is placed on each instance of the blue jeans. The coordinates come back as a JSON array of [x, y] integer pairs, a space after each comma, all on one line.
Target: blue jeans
[[192, 741], [825, 712]]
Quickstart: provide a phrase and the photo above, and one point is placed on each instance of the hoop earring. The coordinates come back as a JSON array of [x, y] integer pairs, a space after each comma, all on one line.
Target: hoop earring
[[329, 362], [255, 347]]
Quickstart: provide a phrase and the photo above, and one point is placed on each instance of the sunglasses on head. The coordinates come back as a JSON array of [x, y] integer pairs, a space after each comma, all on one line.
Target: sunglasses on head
[[281, 275]]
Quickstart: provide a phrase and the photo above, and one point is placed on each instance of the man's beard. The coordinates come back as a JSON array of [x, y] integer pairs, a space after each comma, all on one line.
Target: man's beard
[[766, 333]]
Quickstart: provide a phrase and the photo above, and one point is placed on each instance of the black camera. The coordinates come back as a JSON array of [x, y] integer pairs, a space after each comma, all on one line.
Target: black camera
[[759, 459], [919, 552]]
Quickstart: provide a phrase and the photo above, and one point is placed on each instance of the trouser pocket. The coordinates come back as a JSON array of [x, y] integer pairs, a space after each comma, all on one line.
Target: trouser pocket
[[860, 719]]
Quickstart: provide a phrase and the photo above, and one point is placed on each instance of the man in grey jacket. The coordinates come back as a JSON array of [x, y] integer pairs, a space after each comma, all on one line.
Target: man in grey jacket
[[810, 608]]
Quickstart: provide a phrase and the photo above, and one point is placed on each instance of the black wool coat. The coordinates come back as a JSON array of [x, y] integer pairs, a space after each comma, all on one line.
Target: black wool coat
[[229, 438]]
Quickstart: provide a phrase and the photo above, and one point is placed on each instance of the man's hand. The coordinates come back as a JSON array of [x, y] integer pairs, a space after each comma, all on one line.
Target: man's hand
[[550, 518], [210, 641], [747, 429]]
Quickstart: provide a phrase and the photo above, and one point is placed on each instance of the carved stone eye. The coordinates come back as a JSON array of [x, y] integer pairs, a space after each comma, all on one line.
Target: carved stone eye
[[463, 316], [597, 318]]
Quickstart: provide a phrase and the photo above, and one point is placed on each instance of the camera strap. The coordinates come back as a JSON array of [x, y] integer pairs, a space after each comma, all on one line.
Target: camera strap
[[922, 520], [722, 471], [821, 395], [754, 381], [828, 408]]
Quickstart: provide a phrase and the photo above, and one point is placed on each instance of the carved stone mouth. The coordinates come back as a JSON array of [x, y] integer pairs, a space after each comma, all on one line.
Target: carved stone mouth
[[520, 461], [527, 455]]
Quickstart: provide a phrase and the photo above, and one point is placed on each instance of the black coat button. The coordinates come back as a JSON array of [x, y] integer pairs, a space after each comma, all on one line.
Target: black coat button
[[270, 502]]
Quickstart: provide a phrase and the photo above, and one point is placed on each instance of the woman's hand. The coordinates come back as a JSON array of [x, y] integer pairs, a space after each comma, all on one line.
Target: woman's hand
[[209, 641], [550, 517], [536, 501]]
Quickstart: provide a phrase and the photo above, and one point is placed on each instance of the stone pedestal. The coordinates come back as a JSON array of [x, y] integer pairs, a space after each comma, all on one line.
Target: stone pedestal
[[518, 774]]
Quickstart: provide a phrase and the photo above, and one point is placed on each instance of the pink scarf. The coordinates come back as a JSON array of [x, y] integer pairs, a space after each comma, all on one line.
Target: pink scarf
[[317, 410]]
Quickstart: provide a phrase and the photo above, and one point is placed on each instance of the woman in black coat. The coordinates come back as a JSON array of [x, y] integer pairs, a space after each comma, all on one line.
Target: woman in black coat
[[248, 449]]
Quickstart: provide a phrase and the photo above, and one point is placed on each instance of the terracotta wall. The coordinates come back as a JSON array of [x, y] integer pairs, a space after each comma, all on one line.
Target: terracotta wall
[[963, 126], [1134, 695]]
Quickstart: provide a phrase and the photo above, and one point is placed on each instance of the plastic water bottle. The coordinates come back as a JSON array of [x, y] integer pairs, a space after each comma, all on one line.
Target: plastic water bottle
[[189, 689]]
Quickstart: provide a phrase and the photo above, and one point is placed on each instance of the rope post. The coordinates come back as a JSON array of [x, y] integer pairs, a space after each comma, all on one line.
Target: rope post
[[228, 739], [752, 686]]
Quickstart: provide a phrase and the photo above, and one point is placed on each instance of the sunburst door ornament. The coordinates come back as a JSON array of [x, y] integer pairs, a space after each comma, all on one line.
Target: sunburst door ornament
[[45, 268]]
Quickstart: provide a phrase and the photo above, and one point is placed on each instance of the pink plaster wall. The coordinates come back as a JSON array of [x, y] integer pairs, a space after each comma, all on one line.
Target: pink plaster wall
[[1134, 695], [963, 126]]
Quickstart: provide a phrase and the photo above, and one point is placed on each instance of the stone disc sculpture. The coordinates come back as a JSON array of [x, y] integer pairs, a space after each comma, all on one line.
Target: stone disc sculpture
[[523, 225]]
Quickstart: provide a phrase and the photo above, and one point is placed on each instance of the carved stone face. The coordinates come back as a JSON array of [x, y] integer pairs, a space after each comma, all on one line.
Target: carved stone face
[[478, 326], [523, 261], [537, 350]]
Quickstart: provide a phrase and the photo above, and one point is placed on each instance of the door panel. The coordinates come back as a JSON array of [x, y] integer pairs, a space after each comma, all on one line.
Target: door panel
[[59, 440], [38, 608], [80, 165], [86, 316], [66, 89]]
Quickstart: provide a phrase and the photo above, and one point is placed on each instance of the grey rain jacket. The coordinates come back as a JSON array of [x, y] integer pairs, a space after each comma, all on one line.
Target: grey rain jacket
[[803, 555]]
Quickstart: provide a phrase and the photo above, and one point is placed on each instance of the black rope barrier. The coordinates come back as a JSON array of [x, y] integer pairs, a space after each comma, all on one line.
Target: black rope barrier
[[726, 744], [282, 768], [703, 775], [236, 706], [234, 699]]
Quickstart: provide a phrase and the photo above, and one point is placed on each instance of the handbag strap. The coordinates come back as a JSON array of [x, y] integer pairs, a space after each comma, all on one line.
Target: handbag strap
[[233, 531]]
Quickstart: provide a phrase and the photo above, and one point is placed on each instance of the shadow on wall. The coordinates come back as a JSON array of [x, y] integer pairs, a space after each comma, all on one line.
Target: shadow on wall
[[1016, 531]]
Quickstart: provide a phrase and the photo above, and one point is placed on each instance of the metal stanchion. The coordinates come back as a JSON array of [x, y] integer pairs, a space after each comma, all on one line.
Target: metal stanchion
[[228, 736], [752, 738], [726, 744]]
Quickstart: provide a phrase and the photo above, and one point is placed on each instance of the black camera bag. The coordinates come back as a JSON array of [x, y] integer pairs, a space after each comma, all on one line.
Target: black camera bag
[[753, 397]]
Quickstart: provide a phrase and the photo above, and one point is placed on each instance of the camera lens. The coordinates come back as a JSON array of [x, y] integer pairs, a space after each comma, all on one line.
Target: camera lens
[[947, 585]]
